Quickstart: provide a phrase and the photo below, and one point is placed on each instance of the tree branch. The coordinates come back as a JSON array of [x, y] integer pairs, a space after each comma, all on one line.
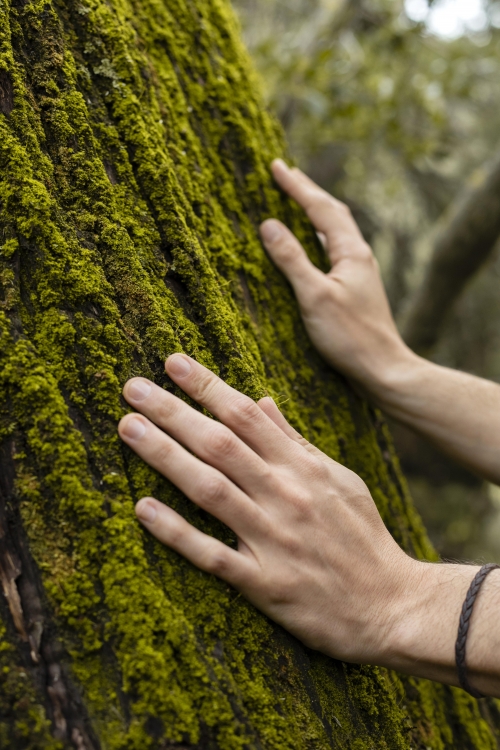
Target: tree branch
[[460, 250]]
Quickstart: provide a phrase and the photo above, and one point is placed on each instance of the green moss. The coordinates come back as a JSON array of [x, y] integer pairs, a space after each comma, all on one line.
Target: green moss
[[134, 173]]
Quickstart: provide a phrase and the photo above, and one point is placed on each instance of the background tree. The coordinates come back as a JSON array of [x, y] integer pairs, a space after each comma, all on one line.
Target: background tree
[[134, 153], [403, 125]]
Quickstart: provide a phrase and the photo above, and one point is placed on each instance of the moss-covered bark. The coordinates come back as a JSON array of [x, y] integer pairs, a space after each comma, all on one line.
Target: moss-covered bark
[[134, 155]]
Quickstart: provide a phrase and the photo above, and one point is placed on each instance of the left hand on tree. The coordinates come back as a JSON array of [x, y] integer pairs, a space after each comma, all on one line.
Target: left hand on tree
[[313, 552]]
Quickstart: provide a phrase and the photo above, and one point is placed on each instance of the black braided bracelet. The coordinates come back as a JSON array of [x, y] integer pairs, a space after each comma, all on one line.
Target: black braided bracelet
[[463, 628]]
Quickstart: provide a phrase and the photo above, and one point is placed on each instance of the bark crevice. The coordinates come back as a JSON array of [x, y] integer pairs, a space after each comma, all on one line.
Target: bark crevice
[[37, 642]]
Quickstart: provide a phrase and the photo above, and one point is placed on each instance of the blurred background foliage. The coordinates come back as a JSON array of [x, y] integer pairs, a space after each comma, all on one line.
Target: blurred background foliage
[[399, 121]]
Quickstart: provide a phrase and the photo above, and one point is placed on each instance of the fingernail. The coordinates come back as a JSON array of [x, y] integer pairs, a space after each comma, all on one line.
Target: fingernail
[[179, 365], [145, 512], [134, 428], [138, 389], [271, 230]]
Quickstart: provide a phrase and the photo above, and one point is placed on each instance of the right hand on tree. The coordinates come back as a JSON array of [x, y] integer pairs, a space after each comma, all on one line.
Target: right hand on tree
[[345, 311]]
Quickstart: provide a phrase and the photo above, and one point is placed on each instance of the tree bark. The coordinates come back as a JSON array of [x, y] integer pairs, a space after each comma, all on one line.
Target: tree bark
[[460, 250], [134, 155]]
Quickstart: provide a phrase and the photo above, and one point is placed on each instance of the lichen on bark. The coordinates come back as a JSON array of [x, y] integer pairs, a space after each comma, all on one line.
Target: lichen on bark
[[134, 155]]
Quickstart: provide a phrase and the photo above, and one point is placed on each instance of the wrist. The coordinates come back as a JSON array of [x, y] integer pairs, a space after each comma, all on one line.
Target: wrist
[[424, 621], [393, 383]]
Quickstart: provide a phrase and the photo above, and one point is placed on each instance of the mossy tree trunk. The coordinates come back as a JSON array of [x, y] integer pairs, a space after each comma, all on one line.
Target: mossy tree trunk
[[134, 155]]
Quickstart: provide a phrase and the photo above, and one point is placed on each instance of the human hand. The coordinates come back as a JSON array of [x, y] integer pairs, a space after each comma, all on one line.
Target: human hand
[[346, 311], [312, 553]]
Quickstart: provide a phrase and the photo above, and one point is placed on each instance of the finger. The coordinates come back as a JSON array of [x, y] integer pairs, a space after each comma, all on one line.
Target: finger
[[269, 407], [202, 484], [329, 216], [202, 550], [211, 441], [317, 203], [290, 257], [236, 411]]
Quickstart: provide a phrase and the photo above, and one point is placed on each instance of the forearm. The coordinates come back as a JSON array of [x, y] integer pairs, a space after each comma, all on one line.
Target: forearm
[[459, 412], [422, 642], [349, 320]]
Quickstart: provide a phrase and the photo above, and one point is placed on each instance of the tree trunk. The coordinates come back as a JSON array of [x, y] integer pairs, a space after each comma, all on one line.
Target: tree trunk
[[134, 155]]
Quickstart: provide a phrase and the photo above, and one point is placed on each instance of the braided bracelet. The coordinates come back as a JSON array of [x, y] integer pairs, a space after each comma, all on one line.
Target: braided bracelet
[[463, 628]]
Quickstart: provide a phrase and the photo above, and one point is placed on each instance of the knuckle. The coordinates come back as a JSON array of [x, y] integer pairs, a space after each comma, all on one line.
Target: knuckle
[[243, 410], [266, 474], [205, 385], [221, 441], [217, 564], [167, 407], [164, 451], [213, 491], [303, 513], [288, 248], [291, 545], [300, 504], [176, 536], [321, 468]]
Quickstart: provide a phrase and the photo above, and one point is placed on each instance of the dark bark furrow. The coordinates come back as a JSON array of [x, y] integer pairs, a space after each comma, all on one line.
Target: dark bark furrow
[[38, 646]]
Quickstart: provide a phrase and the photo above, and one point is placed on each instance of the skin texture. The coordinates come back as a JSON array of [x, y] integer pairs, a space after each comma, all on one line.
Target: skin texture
[[312, 552]]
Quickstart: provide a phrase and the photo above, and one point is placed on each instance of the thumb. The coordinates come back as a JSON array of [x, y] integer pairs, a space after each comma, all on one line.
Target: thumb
[[290, 257]]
